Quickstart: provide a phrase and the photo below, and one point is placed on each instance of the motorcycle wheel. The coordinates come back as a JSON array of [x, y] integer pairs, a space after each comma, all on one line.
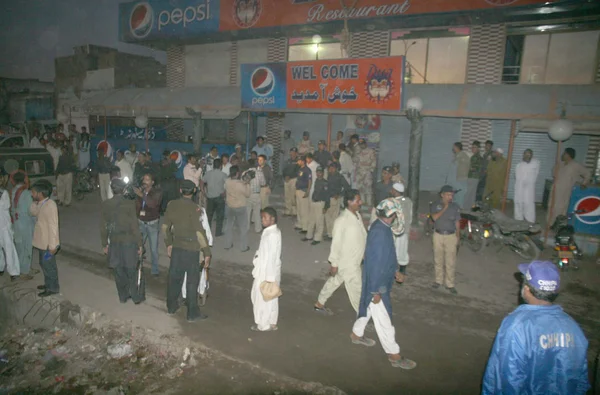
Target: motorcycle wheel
[[476, 242], [78, 195], [526, 248]]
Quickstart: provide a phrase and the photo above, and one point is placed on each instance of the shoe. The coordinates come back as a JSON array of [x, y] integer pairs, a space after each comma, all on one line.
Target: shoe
[[13, 278], [327, 238], [41, 287], [435, 286], [247, 249], [305, 239], [303, 232], [201, 317], [46, 293], [452, 290], [364, 341], [229, 248], [403, 363], [314, 243], [2, 273]]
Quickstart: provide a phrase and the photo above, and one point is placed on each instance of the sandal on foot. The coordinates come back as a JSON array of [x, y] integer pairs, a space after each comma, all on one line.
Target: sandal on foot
[[323, 310], [364, 341], [271, 329], [403, 363]]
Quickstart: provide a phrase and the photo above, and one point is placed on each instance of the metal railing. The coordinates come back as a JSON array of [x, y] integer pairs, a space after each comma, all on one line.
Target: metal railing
[[511, 74]]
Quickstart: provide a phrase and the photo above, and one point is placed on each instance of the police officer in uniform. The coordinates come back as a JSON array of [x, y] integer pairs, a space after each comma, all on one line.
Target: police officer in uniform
[[446, 215], [185, 239], [122, 242]]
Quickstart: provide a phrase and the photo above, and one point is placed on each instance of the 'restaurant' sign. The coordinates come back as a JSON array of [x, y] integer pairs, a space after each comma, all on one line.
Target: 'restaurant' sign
[[245, 14], [343, 84]]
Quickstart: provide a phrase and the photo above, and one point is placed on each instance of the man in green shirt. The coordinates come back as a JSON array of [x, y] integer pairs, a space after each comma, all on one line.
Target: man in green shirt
[[474, 175]]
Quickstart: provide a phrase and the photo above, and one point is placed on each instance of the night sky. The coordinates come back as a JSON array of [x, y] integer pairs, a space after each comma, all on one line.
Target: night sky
[[34, 32]]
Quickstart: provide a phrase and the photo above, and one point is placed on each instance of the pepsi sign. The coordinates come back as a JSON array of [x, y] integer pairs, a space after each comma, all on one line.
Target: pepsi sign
[[154, 19], [263, 86], [585, 206]]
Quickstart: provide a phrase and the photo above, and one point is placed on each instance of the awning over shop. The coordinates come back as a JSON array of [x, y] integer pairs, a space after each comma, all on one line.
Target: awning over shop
[[211, 102]]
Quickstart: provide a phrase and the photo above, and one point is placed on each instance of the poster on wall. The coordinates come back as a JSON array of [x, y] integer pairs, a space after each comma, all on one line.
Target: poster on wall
[[247, 14], [374, 84]]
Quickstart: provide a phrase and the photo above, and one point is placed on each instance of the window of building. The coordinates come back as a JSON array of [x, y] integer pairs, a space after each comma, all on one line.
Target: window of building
[[431, 59], [551, 58], [306, 49]]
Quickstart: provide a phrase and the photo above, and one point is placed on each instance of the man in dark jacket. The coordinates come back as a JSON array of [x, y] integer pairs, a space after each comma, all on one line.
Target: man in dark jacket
[[168, 182], [337, 186], [122, 242], [317, 208], [379, 272], [185, 239], [64, 180]]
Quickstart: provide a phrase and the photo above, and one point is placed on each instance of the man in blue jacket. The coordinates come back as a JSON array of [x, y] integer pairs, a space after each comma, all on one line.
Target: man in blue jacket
[[379, 272], [539, 349]]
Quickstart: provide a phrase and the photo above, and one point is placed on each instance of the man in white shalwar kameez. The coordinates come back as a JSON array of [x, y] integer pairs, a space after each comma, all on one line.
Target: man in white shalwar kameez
[[346, 254], [526, 175], [267, 267], [569, 174], [9, 260]]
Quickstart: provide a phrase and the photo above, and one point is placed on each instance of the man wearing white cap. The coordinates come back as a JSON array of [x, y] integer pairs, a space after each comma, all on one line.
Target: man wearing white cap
[[496, 177]]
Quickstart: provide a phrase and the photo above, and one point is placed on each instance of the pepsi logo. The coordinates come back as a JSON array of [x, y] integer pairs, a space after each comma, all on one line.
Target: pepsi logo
[[141, 20], [262, 81], [588, 209]]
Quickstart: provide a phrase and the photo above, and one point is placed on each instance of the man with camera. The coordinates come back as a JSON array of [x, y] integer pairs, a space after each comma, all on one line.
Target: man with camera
[[148, 212], [122, 242]]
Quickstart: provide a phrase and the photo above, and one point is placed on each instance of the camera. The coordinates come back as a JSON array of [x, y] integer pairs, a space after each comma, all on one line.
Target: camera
[[248, 175], [129, 193]]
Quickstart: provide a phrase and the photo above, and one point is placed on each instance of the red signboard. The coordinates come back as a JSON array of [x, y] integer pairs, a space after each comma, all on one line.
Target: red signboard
[[353, 84], [245, 14]]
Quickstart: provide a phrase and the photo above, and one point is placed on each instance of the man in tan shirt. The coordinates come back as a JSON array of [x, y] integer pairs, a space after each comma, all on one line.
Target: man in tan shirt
[[45, 235], [236, 194]]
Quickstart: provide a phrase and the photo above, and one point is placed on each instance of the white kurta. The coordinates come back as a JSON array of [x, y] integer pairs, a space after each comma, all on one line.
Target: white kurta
[[203, 286], [347, 166], [191, 173], [525, 177], [267, 267], [125, 169], [9, 260]]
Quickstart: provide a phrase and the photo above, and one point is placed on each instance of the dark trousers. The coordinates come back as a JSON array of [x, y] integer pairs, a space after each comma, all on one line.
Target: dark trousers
[[123, 258], [183, 261], [480, 188], [50, 271], [216, 206], [170, 191]]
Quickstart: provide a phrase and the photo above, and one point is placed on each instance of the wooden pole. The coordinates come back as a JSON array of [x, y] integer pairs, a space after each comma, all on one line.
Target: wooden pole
[[511, 147], [551, 204], [329, 126]]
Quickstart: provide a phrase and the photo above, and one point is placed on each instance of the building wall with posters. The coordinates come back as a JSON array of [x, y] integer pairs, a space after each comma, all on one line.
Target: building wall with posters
[[483, 42]]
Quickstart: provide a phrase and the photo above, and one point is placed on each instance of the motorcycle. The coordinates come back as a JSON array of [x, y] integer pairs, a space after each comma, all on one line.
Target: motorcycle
[[471, 231], [496, 227], [567, 250], [83, 183]]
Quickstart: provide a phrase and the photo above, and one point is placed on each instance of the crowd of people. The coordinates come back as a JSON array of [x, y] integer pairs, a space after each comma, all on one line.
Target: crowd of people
[[483, 175], [538, 347]]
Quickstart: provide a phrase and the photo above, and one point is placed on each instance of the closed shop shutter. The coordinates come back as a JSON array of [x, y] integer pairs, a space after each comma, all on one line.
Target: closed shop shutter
[[544, 149], [395, 143], [439, 135]]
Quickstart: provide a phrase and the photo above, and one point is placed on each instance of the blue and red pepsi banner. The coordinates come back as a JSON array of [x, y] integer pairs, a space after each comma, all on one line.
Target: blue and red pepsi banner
[[341, 84], [159, 19]]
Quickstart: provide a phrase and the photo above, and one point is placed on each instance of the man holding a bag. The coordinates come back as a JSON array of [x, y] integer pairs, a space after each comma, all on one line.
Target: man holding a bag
[[267, 274]]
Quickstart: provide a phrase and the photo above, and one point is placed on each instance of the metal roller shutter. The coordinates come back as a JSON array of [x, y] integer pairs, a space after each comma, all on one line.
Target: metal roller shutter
[[438, 136], [544, 149], [395, 143]]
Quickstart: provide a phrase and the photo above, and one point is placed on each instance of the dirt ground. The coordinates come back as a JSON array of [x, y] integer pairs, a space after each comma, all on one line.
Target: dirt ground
[[448, 336]]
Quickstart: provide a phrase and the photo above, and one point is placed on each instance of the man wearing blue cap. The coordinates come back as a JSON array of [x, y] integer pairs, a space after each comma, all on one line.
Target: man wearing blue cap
[[539, 349]]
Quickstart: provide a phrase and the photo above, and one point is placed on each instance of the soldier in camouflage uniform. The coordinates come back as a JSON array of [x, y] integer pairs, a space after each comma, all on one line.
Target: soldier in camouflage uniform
[[366, 161], [474, 175]]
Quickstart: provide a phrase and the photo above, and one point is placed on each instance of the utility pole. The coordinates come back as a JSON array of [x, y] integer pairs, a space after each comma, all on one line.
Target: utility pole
[[413, 114]]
